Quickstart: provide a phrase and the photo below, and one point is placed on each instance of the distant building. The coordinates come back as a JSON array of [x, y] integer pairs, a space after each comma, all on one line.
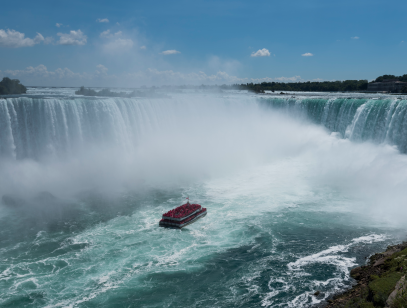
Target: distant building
[[387, 85]]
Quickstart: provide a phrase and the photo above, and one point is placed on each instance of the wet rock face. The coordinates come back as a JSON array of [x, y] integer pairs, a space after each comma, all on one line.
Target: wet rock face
[[356, 273], [398, 297], [13, 201], [381, 283]]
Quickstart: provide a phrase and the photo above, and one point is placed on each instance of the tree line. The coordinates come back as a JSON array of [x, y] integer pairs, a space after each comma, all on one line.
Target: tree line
[[314, 86], [318, 86], [11, 86]]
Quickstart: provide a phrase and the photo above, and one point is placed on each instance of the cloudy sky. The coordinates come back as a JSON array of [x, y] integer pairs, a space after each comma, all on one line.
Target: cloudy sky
[[134, 43]]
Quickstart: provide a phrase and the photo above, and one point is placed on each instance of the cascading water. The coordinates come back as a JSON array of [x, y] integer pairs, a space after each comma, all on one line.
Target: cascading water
[[33, 128], [291, 207], [378, 120]]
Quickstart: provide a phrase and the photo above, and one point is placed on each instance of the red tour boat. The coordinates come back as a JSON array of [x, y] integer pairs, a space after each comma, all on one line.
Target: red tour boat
[[182, 216]]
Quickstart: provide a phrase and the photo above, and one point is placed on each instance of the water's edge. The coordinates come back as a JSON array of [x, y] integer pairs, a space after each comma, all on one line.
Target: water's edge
[[374, 270]]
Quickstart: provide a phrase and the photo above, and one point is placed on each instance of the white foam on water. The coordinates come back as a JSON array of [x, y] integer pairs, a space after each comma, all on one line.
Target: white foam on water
[[331, 256], [248, 164]]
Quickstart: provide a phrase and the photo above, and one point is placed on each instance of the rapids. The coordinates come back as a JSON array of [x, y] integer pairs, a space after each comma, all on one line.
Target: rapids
[[298, 191]]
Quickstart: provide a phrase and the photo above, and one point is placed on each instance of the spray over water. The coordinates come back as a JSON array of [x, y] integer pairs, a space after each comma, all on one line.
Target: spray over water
[[292, 204]]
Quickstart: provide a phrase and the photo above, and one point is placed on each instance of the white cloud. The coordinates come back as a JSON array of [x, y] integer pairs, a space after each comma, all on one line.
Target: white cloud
[[105, 33], [170, 52], [143, 47], [58, 25], [288, 79], [308, 54], [42, 74], [100, 77], [14, 39], [101, 70], [38, 38], [355, 38], [48, 40], [216, 64], [108, 34], [119, 45], [102, 20], [261, 53], [72, 38]]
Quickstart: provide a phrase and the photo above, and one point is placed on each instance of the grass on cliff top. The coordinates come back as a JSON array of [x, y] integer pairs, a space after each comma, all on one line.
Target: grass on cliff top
[[401, 300], [380, 287]]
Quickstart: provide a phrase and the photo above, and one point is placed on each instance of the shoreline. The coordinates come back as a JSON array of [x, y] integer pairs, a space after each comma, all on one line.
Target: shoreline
[[380, 283]]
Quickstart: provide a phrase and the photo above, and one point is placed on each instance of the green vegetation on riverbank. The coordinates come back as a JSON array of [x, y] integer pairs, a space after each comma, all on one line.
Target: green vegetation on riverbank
[[315, 86], [384, 77], [107, 93], [11, 86], [318, 86], [381, 283]]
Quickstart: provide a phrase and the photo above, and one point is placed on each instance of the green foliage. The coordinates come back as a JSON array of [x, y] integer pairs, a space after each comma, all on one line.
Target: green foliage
[[3, 89], [108, 93], [381, 78], [382, 287], [324, 86], [404, 90], [359, 303], [11, 86], [397, 261], [86, 92], [399, 78], [365, 304], [401, 299]]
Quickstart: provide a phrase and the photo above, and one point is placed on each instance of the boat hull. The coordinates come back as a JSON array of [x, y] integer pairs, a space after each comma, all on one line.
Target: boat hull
[[180, 226]]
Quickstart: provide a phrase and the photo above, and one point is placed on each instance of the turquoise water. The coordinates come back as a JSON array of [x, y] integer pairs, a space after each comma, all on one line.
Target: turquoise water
[[291, 206], [359, 119]]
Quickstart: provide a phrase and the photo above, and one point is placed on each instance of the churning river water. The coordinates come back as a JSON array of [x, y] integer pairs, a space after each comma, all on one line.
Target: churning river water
[[299, 189]]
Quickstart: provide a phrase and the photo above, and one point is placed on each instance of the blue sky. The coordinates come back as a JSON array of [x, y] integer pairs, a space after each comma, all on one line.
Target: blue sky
[[134, 43]]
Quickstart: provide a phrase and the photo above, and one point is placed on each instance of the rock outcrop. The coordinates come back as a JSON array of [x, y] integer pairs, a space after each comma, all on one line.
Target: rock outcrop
[[381, 283]]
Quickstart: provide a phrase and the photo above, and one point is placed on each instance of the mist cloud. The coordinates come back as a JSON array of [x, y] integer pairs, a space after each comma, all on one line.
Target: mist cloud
[[119, 45], [227, 137]]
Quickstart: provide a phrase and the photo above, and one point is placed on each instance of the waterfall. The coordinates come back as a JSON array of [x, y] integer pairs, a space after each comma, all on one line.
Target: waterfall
[[42, 127], [39, 128], [377, 120]]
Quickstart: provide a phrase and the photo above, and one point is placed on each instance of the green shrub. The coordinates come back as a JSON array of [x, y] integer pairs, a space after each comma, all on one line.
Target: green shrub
[[359, 303], [396, 261], [401, 300], [366, 305], [11, 86], [383, 286]]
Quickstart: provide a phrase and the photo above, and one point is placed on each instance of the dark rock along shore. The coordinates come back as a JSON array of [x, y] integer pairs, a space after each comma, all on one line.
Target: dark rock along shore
[[380, 283]]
